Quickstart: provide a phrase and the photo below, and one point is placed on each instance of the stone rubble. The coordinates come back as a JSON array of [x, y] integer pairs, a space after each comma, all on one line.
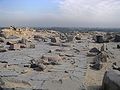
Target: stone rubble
[[52, 60]]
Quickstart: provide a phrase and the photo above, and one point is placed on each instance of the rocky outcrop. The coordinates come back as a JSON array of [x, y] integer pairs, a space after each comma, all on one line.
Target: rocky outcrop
[[26, 33]]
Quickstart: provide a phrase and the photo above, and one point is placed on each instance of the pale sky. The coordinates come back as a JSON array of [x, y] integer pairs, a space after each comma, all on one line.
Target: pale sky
[[66, 13]]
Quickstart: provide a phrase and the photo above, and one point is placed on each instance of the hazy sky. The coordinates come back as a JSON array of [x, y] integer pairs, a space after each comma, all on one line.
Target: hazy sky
[[88, 13]]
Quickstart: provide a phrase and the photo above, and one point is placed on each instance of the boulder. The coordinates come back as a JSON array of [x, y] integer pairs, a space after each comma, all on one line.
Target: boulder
[[37, 66], [99, 39], [96, 66], [117, 38], [55, 39], [91, 54], [98, 60], [111, 80], [101, 57], [51, 59], [3, 50], [23, 46], [33, 66], [118, 46], [77, 38], [94, 50], [41, 67], [115, 66]]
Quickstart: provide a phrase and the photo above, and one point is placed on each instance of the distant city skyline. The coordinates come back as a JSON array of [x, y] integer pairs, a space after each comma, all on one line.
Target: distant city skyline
[[60, 13]]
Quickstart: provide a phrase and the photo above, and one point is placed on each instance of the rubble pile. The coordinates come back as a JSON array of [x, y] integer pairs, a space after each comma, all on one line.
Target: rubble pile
[[51, 60], [18, 32]]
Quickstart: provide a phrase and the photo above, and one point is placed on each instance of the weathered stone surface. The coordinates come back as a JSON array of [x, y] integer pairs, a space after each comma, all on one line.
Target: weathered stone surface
[[8, 74], [111, 80]]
